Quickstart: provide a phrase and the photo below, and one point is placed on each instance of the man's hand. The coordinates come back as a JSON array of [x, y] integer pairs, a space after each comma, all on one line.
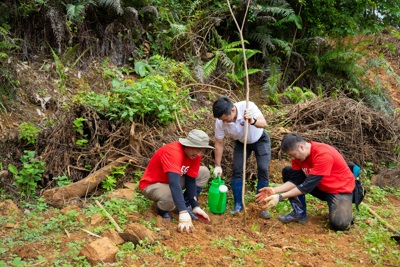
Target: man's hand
[[201, 214], [271, 201], [264, 193], [217, 170], [248, 115], [185, 222]]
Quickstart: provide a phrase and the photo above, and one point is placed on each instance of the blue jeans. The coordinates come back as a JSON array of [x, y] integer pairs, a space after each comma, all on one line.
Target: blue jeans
[[262, 151], [340, 205]]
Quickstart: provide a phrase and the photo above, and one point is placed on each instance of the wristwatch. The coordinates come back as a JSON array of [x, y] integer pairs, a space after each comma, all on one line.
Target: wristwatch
[[280, 198], [255, 120]]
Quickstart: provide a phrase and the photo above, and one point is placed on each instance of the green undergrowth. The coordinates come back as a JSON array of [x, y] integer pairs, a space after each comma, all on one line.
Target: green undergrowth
[[42, 225]]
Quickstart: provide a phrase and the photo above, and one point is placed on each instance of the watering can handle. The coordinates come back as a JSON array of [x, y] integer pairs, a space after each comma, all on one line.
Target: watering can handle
[[219, 177]]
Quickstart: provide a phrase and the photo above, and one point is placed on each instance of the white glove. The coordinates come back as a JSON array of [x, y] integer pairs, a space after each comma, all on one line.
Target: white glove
[[271, 201], [201, 213], [185, 223], [217, 170]]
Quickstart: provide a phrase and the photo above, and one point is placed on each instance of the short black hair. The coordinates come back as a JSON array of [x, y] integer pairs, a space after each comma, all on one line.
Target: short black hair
[[290, 140], [223, 105]]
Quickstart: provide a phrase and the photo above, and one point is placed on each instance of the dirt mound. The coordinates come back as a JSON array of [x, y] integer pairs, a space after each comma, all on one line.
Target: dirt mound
[[389, 177], [361, 134]]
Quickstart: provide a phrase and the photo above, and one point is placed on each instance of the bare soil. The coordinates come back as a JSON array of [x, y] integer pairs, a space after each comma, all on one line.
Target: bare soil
[[229, 240]]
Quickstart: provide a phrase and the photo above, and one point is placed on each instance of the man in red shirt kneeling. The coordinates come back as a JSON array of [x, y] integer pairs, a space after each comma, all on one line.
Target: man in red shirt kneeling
[[318, 169], [173, 168]]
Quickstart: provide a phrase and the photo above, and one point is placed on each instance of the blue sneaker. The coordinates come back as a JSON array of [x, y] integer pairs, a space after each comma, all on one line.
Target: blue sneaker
[[164, 214]]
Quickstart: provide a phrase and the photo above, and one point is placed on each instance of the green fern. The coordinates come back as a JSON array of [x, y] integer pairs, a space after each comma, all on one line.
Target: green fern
[[230, 57], [297, 94], [194, 6], [275, 8], [379, 100], [271, 17], [211, 65], [76, 12]]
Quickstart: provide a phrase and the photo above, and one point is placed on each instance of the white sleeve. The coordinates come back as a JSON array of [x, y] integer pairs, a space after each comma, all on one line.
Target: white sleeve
[[254, 110], [219, 129]]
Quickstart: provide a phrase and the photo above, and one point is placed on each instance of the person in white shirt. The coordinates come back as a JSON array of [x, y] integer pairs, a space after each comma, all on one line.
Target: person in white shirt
[[230, 119]]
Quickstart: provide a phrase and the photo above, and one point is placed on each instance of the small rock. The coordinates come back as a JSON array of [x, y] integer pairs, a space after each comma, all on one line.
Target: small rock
[[369, 221], [82, 218], [8, 207], [131, 186], [96, 219], [123, 193], [11, 225], [140, 231], [114, 236], [100, 251], [165, 235], [134, 217]]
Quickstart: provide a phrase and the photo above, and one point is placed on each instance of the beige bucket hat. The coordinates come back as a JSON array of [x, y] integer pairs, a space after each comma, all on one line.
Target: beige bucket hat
[[196, 138]]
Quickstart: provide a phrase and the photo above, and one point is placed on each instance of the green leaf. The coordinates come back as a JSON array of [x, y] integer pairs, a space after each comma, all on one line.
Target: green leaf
[[12, 169]]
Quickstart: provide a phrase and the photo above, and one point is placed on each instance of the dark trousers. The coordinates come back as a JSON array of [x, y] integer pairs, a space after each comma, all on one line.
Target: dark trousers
[[262, 151], [340, 205]]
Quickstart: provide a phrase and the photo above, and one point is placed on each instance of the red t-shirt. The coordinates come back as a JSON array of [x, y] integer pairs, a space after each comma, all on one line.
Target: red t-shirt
[[169, 158], [324, 160]]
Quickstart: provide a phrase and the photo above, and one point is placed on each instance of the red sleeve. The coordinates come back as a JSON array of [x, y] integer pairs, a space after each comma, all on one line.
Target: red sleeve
[[172, 161]]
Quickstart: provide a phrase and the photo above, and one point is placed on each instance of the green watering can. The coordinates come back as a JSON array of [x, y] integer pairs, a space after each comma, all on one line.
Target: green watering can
[[217, 196]]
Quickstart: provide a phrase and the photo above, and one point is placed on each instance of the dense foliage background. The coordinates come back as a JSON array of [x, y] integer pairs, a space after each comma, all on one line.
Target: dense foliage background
[[305, 44]]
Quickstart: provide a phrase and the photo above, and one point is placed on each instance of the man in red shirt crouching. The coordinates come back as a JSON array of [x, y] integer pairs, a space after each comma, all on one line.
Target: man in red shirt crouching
[[173, 168], [318, 169]]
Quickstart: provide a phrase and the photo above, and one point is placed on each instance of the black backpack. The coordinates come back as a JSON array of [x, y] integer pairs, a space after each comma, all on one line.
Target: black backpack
[[359, 191]]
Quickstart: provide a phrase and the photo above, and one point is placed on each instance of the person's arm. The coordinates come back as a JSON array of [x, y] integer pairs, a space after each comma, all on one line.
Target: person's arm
[[288, 189], [292, 193], [260, 121], [255, 116], [310, 183], [219, 149], [176, 190], [284, 187], [191, 191], [306, 187], [266, 192]]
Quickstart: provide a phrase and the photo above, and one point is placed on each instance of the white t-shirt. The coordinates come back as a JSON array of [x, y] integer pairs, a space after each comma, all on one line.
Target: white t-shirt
[[236, 129]]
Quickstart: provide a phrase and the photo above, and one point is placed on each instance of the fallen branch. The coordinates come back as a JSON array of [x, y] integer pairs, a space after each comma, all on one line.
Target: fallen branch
[[67, 233], [58, 197], [90, 233]]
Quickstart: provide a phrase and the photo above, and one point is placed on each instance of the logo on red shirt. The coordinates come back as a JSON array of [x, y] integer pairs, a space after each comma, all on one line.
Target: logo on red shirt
[[184, 170]]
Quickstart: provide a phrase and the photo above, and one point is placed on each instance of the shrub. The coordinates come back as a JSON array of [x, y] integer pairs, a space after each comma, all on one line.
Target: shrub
[[31, 173]]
